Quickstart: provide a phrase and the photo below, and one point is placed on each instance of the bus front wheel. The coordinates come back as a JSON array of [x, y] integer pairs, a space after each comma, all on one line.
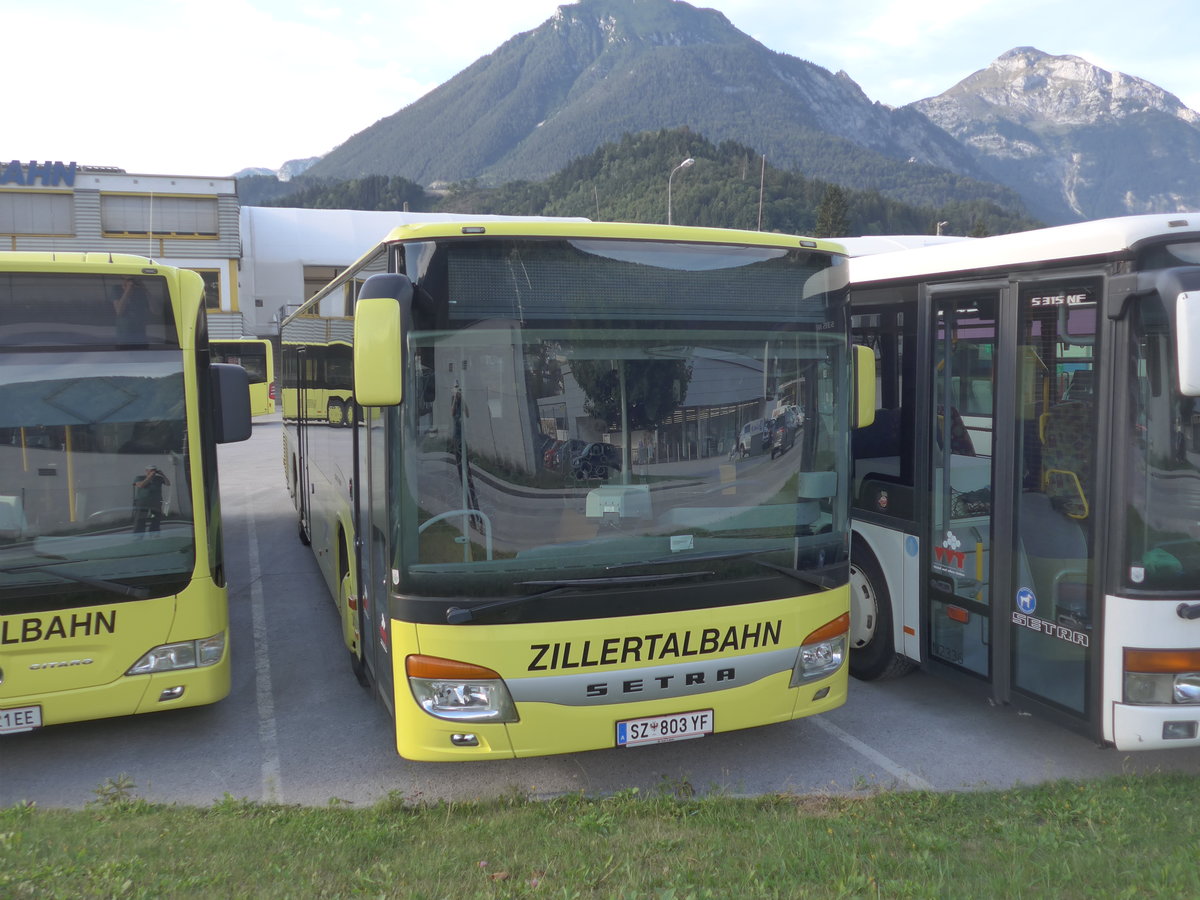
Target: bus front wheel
[[873, 653]]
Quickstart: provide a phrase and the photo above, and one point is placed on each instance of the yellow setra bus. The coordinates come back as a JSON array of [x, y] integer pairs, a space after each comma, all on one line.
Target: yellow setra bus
[[112, 582], [530, 517]]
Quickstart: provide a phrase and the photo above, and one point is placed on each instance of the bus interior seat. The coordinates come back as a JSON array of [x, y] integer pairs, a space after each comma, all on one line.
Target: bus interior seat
[[1066, 431], [960, 439], [1054, 557]]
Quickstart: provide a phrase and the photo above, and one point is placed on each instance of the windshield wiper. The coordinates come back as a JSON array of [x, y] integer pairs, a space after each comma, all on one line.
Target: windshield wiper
[[813, 577], [703, 556], [113, 587], [457, 615]]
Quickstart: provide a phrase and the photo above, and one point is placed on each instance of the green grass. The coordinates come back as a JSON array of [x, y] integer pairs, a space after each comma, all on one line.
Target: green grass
[[1122, 837]]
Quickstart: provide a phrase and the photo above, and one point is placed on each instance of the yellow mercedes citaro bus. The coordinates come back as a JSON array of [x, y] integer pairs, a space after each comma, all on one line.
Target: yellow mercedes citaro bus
[[533, 527], [257, 357], [112, 581]]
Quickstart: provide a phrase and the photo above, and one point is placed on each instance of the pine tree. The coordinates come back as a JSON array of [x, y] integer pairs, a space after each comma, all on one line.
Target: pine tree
[[832, 214]]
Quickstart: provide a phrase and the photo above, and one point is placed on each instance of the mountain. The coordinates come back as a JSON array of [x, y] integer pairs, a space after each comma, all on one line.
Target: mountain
[[1076, 141], [601, 69], [728, 186], [286, 172]]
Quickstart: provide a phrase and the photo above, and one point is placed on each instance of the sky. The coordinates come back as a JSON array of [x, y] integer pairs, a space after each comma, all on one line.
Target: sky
[[210, 87]]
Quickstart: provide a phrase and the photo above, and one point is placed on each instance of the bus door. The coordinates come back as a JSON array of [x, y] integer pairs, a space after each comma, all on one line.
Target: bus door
[[1012, 501], [375, 575], [1052, 608], [960, 515], [303, 488]]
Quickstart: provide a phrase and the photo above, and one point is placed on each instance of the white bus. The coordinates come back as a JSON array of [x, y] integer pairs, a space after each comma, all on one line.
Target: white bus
[[1027, 501]]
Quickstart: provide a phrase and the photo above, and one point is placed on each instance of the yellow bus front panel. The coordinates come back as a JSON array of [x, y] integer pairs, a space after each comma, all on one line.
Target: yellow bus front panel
[[75, 664], [573, 682]]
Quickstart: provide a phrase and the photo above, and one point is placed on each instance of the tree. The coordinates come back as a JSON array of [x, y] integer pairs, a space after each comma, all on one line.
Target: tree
[[833, 219], [654, 389]]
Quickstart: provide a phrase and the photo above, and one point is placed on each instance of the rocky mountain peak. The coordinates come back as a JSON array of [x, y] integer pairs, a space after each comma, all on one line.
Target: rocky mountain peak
[[1076, 140], [648, 22], [1028, 86]]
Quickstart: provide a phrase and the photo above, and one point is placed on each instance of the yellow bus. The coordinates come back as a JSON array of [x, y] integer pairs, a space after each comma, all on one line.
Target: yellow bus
[[112, 580], [1027, 501], [506, 602], [317, 383], [257, 357]]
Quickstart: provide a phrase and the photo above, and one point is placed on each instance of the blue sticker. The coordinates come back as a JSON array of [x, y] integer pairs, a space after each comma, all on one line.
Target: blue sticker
[[1026, 601], [910, 546]]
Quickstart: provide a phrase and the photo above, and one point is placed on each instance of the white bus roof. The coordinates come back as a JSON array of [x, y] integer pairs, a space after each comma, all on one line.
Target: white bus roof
[[1098, 238], [870, 244]]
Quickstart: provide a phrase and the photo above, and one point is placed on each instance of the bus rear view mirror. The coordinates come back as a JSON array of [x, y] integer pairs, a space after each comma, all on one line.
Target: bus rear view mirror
[[379, 334], [231, 403], [864, 387], [1187, 321]]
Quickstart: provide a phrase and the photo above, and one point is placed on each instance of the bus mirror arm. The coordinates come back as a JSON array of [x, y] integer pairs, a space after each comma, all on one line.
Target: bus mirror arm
[[1188, 610]]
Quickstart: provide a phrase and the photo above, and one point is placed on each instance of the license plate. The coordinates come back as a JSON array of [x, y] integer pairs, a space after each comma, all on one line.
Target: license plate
[[660, 729], [23, 718]]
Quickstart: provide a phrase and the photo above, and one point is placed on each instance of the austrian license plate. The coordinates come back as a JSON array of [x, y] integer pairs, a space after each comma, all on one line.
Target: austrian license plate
[[23, 718], [659, 729]]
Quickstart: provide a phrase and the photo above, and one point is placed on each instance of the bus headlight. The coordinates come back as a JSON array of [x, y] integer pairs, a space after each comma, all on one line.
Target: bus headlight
[[459, 691], [822, 652], [182, 655], [1162, 676]]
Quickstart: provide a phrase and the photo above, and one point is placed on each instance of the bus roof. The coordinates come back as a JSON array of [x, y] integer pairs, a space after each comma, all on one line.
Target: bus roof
[[41, 259], [1099, 238], [586, 229]]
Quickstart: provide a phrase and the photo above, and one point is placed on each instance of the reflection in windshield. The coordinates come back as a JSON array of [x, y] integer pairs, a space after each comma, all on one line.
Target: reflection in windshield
[[586, 414], [1164, 534], [94, 469]]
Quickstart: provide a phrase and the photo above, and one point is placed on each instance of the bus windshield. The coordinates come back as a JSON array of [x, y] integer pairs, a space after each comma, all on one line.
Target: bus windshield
[[592, 413], [95, 503], [1163, 531]]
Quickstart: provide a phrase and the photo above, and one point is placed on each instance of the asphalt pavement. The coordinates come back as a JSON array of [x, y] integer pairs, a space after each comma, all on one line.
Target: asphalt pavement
[[297, 727]]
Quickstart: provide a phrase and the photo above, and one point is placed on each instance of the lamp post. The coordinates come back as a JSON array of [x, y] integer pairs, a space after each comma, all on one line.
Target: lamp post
[[683, 165], [940, 226]]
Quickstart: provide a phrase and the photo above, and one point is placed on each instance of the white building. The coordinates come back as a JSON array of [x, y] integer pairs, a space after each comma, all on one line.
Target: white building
[[185, 221]]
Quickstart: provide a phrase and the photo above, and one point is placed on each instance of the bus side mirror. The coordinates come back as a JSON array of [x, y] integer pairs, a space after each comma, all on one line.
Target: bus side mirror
[[231, 402], [380, 315], [863, 412], [1187, 342]]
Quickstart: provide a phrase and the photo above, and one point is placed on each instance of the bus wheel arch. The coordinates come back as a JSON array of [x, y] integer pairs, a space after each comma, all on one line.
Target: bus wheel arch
[[872, 648]]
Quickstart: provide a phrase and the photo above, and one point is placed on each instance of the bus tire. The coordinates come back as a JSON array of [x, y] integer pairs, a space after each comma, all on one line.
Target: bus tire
[[335, 413], [357, 665], [873, 653]]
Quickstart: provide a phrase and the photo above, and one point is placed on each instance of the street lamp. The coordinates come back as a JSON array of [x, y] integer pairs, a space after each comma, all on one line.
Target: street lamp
[[940, 226], [683, 165]]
